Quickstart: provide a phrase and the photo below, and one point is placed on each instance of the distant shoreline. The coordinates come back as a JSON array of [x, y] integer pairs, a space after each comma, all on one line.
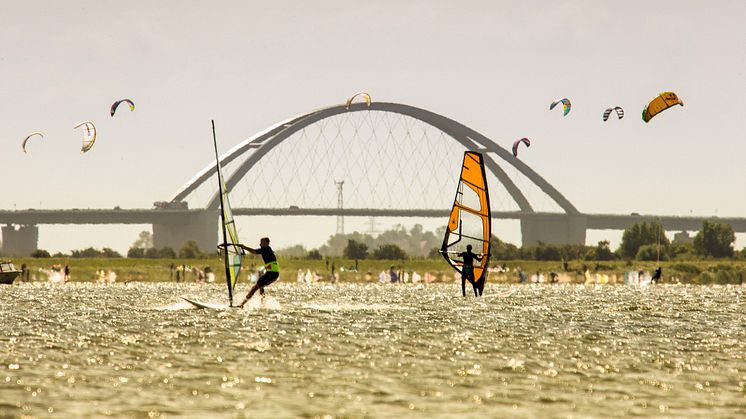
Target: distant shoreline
[[160, 270]]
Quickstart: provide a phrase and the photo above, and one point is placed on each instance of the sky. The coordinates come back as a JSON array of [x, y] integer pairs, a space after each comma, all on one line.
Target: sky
[[492, 65]]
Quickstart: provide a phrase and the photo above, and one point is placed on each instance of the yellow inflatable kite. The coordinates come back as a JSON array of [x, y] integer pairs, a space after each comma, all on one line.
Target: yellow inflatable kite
[[664, 101], [364, 95]]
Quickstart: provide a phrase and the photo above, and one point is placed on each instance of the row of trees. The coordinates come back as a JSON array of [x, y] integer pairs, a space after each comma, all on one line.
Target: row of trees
[[414, 242], [190, 250], [85, 253], [141, 249], [397, 243], [645, 241], [353, 250]]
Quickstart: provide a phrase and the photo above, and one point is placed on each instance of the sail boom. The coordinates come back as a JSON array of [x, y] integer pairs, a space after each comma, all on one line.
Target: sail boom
[[468, 209], [466, 182]]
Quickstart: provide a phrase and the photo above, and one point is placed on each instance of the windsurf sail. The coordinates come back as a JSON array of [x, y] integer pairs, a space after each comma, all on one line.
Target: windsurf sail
[[232, 252], [469, 223]]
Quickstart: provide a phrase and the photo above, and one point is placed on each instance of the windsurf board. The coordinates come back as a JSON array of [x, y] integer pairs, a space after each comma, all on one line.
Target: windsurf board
[[211, 306]]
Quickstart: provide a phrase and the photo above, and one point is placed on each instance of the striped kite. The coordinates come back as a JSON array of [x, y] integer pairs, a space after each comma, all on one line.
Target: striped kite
[[619, 112]]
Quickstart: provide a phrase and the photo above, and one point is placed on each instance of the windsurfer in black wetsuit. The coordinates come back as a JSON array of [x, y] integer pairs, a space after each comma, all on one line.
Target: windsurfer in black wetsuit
[[657, 275], [270, 264], [467, 271]]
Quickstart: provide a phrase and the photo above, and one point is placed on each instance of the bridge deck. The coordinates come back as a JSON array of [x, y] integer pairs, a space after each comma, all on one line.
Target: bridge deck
[[180, 216]]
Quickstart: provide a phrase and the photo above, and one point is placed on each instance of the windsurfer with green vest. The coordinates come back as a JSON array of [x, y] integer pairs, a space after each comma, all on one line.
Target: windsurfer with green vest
[[467, 271], [270, 264]]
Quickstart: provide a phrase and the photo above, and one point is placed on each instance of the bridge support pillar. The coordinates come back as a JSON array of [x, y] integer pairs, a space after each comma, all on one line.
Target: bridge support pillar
[[199, 226], [554, 229], [20, 241]]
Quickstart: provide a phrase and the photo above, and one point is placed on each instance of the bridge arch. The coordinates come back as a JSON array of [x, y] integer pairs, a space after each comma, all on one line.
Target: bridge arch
[[263, 142]]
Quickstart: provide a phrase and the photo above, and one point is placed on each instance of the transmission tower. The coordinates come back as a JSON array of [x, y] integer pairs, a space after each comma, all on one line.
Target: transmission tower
[[373, 224], [340, 205]]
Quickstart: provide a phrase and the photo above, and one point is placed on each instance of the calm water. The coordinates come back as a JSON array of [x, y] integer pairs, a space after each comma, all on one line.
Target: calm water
[[135, 350]]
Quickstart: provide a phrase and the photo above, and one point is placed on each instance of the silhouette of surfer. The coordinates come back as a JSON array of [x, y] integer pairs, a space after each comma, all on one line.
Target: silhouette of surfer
[[270, 264], [657, 275], [467, 272]]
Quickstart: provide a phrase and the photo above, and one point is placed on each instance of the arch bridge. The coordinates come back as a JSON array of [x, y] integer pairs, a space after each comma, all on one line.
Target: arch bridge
[[394, 159]]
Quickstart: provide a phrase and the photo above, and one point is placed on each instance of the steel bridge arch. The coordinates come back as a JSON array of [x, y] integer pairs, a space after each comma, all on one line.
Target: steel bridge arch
[[263, 142]]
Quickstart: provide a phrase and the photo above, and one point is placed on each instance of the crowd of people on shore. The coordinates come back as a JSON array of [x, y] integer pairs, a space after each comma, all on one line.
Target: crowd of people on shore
[[55, 274], [106, 276], [638, 278], [58, 274], [394, 275], [400, 275], [181, 273]]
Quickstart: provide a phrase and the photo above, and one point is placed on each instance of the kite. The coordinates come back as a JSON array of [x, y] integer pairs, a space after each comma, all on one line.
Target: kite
[[619, 112], [115, 105], [89, 135], [664, 101], [23, 144], [518, 142], [365, 96], [565, 104]]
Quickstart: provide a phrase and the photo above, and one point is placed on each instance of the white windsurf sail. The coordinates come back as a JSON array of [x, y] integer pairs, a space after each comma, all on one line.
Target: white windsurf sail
[[232, 253]]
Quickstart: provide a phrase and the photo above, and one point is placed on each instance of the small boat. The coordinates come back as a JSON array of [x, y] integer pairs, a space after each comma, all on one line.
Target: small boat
[[8, 272]]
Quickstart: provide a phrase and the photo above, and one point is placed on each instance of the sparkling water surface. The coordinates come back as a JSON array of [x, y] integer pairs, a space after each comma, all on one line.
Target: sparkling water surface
[[352, 350]]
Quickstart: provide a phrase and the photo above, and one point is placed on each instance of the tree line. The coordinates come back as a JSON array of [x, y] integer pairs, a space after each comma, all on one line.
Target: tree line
[[139, 250], [642, 241]]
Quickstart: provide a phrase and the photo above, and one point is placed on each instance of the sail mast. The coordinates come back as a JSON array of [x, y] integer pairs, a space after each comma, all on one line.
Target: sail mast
[[222, 218]]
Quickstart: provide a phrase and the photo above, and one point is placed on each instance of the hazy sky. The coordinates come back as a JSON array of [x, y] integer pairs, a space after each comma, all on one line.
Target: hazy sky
[[493, 65]]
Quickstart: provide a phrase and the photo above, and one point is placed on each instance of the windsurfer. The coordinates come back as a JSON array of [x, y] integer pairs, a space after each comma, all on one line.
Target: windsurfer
[[469, 222], [657, 275], [270, 264], [467, 272]]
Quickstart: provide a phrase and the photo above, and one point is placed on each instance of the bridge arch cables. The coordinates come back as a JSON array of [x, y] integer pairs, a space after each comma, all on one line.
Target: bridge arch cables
[[390, 155]]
